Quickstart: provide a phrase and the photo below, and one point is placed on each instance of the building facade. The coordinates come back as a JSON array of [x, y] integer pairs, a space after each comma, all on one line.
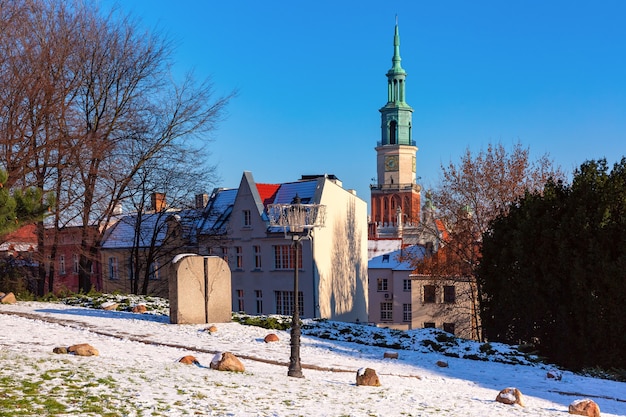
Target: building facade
[[332, 266]]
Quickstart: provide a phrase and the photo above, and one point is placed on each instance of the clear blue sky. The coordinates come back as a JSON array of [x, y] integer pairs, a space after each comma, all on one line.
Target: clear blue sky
[[311, 78]]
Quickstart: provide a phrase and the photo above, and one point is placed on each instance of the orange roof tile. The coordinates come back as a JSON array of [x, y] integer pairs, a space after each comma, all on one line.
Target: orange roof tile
[[267, 192]]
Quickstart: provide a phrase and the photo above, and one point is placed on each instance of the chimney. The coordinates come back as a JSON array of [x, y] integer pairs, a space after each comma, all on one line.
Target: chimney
[[158, 202], [202, 200]]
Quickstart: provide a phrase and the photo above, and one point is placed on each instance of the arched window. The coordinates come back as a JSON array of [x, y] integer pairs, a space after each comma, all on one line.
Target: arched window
[[393, 128]]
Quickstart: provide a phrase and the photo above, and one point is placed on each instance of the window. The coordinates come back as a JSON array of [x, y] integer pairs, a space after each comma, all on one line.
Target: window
[[131, 269], [449, 294], [257, 257], [429, 293], [386, 311], [259, 301], [382, 284], [240, 301], [284, 257], [225, 253], [247, 219], [284, 302], [62, 264], [154, 270], [238, 257], [113, 268], [448, 327], [406, 312], [406, 285], [429, 325], [75, 263]]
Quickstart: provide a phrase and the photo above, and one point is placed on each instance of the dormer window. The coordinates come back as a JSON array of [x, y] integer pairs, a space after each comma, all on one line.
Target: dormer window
[[386, 258]]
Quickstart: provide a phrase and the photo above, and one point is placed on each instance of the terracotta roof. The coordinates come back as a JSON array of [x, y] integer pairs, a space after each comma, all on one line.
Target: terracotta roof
[[267, 192], [25, 234]]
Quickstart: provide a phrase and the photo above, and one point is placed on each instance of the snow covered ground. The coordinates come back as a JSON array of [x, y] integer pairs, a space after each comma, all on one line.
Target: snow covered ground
[[138, 374]]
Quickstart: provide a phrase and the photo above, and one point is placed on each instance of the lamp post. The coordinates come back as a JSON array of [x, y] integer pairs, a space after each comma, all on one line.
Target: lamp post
[[297, 220]]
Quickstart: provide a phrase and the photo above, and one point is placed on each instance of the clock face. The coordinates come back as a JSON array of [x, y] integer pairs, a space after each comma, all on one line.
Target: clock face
[[391, 163]]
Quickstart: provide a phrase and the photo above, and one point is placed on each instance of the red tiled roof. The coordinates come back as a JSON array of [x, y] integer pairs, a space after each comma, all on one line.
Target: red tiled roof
[[267, 192], [23, 234]]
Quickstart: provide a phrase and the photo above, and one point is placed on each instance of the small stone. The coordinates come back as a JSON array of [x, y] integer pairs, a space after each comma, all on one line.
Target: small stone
[[226, 361], [510, 396], [60, 350], [367, 377], [83, 349], [109, 305], [212, 329], [189, 360], [390, 355], [442, 364], [584, 407], [554, 374], [139, 308], [271, 338]]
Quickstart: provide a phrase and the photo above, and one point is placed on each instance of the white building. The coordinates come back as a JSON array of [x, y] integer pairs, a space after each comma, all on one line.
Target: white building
[[333, 267]]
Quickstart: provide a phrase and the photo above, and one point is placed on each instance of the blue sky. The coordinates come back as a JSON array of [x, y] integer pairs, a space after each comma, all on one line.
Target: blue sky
[[311, 78]]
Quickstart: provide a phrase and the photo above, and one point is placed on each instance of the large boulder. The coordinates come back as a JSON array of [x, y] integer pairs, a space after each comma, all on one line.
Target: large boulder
[[83, 349], [8, 299], [510, 396], [584, 407], [368, 377], [226, 361]]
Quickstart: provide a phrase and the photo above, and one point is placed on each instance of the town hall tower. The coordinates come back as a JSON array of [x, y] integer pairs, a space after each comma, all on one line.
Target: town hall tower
[[395, 198]]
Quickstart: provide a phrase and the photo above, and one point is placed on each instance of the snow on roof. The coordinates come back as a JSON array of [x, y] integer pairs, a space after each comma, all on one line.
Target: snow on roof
[[377, 247], [392, 260], [152, 230], [219, 208]]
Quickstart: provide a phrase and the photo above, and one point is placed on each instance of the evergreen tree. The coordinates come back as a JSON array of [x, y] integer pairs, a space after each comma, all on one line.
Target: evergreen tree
[[553, 270], [20, 207]]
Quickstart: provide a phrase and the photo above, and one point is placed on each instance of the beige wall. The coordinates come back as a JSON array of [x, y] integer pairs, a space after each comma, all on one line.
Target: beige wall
[[157, 287], [460, 313], [340, 252], [333, 277]]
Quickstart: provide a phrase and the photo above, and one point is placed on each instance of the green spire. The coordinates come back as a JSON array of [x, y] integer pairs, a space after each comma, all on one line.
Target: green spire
[[396, 68]]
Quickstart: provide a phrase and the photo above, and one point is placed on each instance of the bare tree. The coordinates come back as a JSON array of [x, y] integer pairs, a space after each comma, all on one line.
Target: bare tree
[[470, 195], [81, 92]]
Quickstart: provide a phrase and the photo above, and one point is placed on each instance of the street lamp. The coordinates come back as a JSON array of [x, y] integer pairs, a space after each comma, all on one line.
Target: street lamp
[[297, 221]]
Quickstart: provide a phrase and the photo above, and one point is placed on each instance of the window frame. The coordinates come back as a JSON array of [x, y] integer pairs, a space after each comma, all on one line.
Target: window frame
[[386, 311], [113, 268], [429, 294], [407, 312], [382, 284], [449, 294]]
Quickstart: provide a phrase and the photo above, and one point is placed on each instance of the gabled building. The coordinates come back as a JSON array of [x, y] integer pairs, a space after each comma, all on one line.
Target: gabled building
[[137, 249], [333, 262], [63, 265]]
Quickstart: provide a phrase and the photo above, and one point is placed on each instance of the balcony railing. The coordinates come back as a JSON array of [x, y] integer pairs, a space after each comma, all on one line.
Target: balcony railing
[[395, 187]]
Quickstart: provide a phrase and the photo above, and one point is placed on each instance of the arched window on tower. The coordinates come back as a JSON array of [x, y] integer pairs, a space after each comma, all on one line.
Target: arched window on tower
[[393, 132]]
